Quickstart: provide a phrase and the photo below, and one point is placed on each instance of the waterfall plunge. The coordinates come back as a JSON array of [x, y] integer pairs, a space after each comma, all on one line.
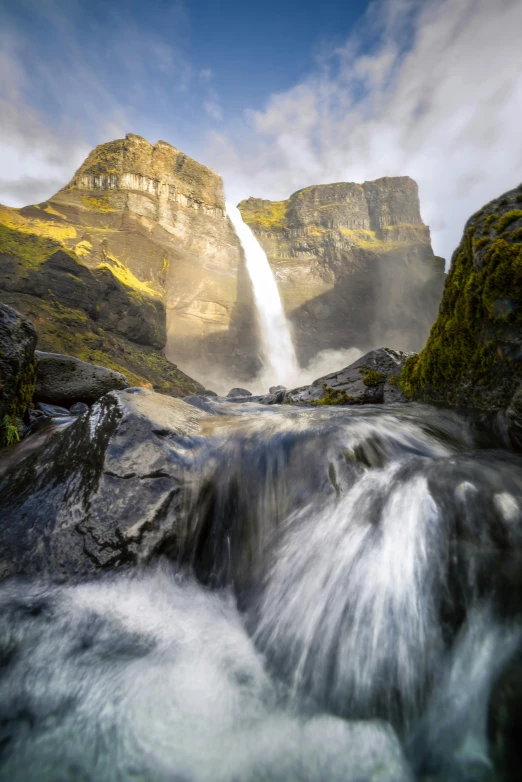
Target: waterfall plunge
[[280, 361]]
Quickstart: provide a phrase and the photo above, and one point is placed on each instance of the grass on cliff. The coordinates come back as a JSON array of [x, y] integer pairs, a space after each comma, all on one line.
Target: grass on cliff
[[269, 215], [481, 303], [65, 330]]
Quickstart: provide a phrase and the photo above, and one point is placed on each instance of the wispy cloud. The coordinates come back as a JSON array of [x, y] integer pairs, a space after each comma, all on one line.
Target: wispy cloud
[[431, 89]]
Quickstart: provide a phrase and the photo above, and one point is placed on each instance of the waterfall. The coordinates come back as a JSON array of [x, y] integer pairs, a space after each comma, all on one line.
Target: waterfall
[[278, 350]]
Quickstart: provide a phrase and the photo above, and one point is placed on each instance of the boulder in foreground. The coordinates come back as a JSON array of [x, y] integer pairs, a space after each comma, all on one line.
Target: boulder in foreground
[[473, 356], [65, 380], [372, 379], [103, 493]]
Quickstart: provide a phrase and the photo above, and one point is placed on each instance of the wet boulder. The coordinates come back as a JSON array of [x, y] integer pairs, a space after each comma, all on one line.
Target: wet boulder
[[372, 379], [104, 492], [238, 392], [65, 380], [17, 344]]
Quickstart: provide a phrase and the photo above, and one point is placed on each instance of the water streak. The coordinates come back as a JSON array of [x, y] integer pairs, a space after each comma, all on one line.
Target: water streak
[[278, 350]]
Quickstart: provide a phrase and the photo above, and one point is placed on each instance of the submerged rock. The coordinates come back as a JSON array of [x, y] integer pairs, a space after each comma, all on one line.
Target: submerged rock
[[17, 344], [66, 380], [372, 379], [101, 493]]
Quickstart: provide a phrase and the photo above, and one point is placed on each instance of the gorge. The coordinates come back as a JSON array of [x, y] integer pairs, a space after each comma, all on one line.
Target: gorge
[[321, 582], [140, 258]]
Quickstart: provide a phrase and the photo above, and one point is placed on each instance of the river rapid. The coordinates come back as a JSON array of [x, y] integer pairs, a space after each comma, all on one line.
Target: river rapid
[[349, 611]]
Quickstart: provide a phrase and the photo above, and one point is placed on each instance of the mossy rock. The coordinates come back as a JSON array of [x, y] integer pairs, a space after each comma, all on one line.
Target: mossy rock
[[473, 355]]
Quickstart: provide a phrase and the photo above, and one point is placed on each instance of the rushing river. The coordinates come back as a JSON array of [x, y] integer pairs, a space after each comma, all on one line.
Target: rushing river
[[351, 602]]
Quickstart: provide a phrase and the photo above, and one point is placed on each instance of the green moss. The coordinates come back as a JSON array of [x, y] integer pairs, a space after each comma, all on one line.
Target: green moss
[[100, 203], [373, 378], [29, 247], [394, 380], [70, 331], [9, 431], [463, 349], [507, 219], [488, 222], [518, 197], [24, 393], [270, 215], [483, 241], [516, 236], [335, 397]]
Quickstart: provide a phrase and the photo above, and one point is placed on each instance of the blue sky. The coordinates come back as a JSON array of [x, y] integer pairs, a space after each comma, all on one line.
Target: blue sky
[[273, 95]]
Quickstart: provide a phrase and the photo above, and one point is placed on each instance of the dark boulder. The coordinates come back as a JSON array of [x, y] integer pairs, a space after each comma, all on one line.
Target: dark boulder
[[103, 492], [372, 379], [65, 380], [238, 392], [17, 344]]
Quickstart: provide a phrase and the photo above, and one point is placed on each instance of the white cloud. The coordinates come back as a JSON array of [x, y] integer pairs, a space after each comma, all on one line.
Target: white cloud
[[438, 97], [214, 110]]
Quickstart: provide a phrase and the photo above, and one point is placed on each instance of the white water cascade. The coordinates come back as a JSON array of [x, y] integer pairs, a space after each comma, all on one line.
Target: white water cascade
[[278, 350]]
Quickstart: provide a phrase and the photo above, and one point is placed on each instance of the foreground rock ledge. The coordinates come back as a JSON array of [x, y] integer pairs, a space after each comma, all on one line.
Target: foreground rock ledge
[[102, 491]]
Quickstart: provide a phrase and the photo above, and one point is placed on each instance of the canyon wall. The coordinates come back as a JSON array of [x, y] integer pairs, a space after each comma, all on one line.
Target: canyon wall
[[135, 264], [354, 264]]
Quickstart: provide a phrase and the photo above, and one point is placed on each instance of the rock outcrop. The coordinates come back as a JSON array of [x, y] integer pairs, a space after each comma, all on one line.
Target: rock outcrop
[[102, 493], [353, 262], [473, 357], [372, 379], [65, 380], [136, 247], [17, 375]]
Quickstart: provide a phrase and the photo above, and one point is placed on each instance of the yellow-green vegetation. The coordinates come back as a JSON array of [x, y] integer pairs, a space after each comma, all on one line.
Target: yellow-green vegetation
[[373, 378], [126, 277], [488, 222], [334, 396], [9, 433], [507, 219], [479, 242], [51, 211], [49, 229], [269, 215], [65, 330], [83, 248], [31, 248], [479, 306], [394, 380], [99, 203]]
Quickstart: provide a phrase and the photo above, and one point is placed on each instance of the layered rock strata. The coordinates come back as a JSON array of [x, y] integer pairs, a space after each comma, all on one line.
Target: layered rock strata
[[354, 264], [141, 230]]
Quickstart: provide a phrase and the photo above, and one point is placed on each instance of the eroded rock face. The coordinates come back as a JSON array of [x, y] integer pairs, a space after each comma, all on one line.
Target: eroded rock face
[[354, 264], [473, 357], [138, 242], [102, 493], [66, 380], [17, 344], [372, 379], [173, 235]]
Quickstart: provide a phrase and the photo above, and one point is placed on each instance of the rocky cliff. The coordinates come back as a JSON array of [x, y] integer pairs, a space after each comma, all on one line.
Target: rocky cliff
[[353, 262], [472, 358], [137, 246]]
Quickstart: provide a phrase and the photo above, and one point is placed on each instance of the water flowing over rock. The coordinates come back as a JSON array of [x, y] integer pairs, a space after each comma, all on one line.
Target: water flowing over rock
[[373, 555]]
